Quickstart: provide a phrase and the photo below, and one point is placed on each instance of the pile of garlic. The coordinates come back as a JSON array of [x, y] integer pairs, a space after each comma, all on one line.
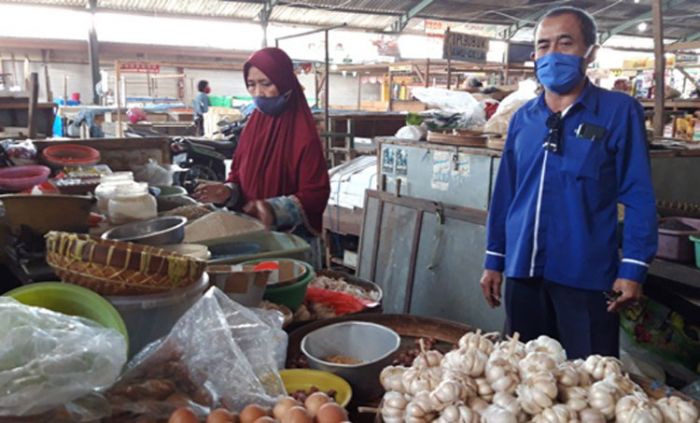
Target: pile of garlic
[[513, 382]]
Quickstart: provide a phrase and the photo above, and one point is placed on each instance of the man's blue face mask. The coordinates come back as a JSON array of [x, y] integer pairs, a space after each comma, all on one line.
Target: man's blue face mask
[[561, 72], [272, 106]]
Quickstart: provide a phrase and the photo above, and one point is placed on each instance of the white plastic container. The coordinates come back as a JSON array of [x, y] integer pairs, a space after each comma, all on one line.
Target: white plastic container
[[149, 317], [131, 202], [108, 183]]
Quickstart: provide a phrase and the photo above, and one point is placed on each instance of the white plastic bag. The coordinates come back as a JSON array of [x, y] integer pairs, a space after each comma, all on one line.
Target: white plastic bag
[[49, 359], [219, 354], [498, 123], [450, 102]]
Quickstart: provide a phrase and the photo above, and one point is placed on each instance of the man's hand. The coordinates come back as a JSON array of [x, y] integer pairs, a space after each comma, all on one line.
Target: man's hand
[[630, 292], [212, 192], [491, 286], [262, 211]]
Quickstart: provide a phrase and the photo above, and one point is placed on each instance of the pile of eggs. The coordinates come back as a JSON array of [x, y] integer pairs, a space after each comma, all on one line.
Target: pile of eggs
[[318, 408]]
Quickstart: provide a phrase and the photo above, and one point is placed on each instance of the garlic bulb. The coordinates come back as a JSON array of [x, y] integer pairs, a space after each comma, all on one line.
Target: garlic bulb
[[496, 414], [475, 340], [447, 392], [584, 378], [599, 367], [677, 410], [470, 362], [591, 415], [536, 362], [567, 375], [625, 385], [537, 392], [603, 396], [427, 359], [575, 397], [556, 414], [549, 346], [469, 387], [420, 409], [511, 348], [637, 409], [458, 413], [391, 378], [419, 380], [502, 375], [484, 389], [478, 404], [393, 406], [507, 402]]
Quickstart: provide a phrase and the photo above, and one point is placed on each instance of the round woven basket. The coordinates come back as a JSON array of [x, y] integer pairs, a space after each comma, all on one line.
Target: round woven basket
[[119, 268]]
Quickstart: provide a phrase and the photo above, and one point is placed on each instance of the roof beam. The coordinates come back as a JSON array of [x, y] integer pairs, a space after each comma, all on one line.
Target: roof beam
[[400, 24], [510, 32], [605, 36]]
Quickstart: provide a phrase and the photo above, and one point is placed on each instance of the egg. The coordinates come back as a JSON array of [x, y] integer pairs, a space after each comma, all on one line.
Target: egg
[[183, 415], [297, 415], [315, 401], [221, 415], [266, 419], [252, 412], [178, 400], [331, 413], [283, 406]]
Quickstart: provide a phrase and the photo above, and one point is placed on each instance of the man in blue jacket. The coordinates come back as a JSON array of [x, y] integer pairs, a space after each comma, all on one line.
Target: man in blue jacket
[[571, 155]]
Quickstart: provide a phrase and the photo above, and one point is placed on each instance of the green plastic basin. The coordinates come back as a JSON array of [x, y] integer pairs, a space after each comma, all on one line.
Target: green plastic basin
[[72, 300]]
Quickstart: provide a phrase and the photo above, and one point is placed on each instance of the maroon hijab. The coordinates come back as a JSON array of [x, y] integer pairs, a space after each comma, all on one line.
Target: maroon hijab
[[282, 155]]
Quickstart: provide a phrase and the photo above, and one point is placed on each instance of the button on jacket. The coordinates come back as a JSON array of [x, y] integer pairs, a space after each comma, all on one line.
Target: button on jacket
[[554, 214]]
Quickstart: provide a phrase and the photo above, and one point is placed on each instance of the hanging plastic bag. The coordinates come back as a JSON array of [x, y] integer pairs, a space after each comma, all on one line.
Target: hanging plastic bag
[[49, 359], [219, 354]]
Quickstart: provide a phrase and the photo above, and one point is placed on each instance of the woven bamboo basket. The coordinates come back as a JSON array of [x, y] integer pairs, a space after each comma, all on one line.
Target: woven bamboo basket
[[119, 268]]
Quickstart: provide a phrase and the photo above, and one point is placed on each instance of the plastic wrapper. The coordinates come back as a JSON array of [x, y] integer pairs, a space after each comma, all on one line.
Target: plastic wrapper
[[498, 123], [219, 354], [21, 152], [457, 109], [153, 173], [49, 359]]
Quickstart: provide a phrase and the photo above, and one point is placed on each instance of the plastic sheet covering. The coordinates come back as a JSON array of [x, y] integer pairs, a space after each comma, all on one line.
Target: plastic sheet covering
[[498, 123], [219, 354], [49, 359], [457, 109]]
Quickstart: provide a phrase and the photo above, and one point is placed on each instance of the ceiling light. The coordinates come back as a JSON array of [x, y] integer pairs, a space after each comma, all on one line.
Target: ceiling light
[[642, 26], [636, 1]]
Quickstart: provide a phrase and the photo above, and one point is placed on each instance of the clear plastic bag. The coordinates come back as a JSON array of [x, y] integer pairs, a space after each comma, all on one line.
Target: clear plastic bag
[[219, 354], [470, 112], [498, 123], [48, 359]]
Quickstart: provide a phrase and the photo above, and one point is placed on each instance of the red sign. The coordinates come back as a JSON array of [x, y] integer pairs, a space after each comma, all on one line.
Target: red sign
[[139, 67], [435, 28]]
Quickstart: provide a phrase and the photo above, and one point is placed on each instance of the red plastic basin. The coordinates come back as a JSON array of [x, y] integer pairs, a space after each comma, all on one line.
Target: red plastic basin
[[70, 155], [19, 178]]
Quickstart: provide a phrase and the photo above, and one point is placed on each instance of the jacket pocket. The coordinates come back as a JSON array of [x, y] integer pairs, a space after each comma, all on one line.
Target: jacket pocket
[[583, 158]]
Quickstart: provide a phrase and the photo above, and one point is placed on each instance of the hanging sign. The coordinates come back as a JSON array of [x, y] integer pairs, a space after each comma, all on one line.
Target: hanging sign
[[466, 47], [138, 67], [434, 28]]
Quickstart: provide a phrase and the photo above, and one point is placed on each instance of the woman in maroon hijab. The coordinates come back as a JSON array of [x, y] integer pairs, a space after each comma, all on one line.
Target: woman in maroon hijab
[[279, 173]]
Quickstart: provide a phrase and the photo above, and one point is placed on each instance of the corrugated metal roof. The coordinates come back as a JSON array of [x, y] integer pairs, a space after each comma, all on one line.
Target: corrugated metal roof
[[680, 21]]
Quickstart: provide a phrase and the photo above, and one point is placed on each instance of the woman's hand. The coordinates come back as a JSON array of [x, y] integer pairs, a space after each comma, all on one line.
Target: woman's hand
[[212, 192], [262, 211]]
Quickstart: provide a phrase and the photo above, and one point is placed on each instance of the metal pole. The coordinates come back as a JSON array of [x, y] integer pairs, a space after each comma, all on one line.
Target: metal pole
[[94, 53], [315, 31], [449, 58], [33, 95], [326, 92], [359, 91], [659, 67]]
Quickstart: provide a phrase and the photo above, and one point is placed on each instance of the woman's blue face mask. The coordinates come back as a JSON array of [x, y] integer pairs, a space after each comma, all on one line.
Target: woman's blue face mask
[[272, 106], [561, 72]]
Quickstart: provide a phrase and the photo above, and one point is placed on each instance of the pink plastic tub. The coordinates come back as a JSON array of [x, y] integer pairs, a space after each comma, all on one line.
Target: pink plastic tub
[[19, 178], [675, 244]]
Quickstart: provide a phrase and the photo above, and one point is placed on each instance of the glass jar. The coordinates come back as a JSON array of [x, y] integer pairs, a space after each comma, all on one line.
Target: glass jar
[[131, 202], [105, 190]]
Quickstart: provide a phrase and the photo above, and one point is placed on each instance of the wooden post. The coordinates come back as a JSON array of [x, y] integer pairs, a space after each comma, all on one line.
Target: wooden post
[[15, 75], [65, 89], [390, 106], [326, 89], [449, 58], [33, 95], [427, 73], [47, 81], [359, 91], [659, 67]]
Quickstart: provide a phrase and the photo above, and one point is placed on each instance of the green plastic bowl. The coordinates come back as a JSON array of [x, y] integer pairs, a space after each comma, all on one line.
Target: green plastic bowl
[[72, 300], [291, 295]]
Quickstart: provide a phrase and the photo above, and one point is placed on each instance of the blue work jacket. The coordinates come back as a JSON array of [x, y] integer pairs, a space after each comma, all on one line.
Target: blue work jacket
[[554, 214]]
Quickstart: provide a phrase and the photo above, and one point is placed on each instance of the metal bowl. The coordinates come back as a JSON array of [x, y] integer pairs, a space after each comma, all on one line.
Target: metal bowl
[[158, 231], [373, 344]]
